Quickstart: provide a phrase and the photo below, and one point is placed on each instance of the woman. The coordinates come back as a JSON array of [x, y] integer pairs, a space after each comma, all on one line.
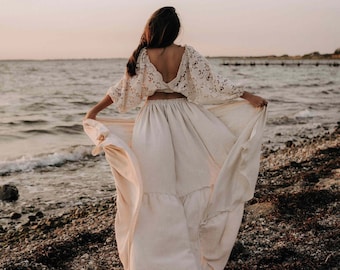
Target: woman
[[184, 172]]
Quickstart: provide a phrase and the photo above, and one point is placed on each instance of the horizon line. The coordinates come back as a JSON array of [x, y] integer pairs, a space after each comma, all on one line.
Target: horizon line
[[207, 56]]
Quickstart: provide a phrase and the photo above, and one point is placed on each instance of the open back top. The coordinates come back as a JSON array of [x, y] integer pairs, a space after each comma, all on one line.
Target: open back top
[[167, 60], [195, 79]]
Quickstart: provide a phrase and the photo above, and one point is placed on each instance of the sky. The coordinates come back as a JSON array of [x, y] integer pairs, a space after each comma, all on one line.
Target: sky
[[62, 29]]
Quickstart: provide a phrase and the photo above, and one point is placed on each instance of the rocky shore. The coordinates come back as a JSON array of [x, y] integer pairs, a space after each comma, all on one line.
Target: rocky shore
[[292, 222]]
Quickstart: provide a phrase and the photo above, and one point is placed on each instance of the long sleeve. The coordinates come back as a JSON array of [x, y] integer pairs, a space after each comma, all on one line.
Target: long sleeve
[[208, 87], [129, 92], [126, 93]]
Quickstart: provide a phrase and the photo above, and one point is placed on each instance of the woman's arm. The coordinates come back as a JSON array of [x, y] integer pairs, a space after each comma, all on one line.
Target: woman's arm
[[256, 101], [101, 105]]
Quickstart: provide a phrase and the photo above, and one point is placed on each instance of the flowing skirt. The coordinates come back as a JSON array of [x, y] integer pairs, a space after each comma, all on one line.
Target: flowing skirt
[[183, 173]]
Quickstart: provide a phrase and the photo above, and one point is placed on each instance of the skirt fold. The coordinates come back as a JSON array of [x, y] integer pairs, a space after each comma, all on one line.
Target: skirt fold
[[183, 173]]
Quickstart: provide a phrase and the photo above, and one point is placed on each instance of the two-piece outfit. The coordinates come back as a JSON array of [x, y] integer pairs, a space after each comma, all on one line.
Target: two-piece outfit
[[183, 171]]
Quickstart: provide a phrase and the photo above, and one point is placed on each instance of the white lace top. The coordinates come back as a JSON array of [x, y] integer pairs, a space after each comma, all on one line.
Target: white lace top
[[195, 79]]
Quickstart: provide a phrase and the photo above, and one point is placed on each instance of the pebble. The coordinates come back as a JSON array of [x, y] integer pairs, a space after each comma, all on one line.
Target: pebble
[[15, 215], [32, 218], [39, 214], [289, 143], [2, 230]]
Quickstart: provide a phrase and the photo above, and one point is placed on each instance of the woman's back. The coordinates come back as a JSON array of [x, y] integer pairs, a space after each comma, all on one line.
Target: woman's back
[[166, 60]]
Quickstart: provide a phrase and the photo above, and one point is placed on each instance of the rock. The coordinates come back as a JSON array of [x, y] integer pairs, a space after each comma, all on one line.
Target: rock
[[9, 193], [312, 177], [2, 230], [26, 224], [258, 210], [15, 215], [295, 164], [289, 143], [239, 250], [39, 214], [32, 218]]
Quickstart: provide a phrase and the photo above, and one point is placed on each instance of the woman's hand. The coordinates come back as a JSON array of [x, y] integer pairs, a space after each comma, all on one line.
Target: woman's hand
[[91, 114], [254, 100]]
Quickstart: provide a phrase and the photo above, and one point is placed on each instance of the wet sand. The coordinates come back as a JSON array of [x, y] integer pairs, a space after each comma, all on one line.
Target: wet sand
[[291, 223]]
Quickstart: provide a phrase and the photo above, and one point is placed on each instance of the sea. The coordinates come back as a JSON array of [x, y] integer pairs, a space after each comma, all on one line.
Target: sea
[[45, 153]]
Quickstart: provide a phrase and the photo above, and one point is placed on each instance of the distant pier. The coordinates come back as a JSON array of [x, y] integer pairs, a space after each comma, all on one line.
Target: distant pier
[[253, 63]]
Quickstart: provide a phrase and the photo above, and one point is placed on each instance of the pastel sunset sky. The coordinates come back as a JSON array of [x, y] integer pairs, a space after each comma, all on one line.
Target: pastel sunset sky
[[49, 29]]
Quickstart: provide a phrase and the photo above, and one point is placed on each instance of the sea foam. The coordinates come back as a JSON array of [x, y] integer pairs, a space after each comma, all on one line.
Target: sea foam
[[29, 163]]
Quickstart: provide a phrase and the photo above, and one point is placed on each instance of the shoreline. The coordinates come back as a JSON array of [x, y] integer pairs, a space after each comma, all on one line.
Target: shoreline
[[289, 224], [309, 56]]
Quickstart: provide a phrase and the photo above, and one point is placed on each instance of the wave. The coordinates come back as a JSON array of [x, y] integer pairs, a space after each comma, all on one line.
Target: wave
[[295, 119], [290, 85], [308, 85], [280, 101], [10, 123], [283, 120], [10, 137], [64, 129], [39, 106], [77, 84], [304, 114], [38, 131], [86, 103], [74, 129], [33, 122], [25, 164], [25, 122], [293, 85]]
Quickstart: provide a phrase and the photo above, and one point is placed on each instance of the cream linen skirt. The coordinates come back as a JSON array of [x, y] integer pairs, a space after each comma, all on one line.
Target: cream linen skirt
[[182, 174]]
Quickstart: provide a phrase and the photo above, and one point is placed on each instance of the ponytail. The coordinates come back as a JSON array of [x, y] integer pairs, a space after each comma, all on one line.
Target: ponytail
[[132, 63]]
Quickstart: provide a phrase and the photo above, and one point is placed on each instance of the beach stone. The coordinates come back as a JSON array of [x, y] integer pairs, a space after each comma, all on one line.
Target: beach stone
[[25, 225], [239, 250], [9, 193], [15, 215], [312, 177], [32, 218], [39, 214], [295, 164], [289, 143], [2, 230]]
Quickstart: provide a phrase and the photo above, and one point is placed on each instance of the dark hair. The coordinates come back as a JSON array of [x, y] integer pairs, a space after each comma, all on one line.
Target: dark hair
[[160, 31]]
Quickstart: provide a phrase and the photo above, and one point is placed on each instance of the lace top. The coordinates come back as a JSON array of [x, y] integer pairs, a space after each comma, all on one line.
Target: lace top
[[195, 79]]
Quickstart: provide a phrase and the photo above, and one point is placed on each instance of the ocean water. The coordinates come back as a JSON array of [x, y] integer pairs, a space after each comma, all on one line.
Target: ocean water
[[46, 154]]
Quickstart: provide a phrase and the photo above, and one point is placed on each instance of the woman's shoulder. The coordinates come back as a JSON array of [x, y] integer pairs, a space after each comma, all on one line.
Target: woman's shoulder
[[193, 54], [192, 51], [188, 48]]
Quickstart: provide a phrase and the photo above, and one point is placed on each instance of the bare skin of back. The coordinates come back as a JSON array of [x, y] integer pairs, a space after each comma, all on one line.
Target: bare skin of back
[[166, 60]]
